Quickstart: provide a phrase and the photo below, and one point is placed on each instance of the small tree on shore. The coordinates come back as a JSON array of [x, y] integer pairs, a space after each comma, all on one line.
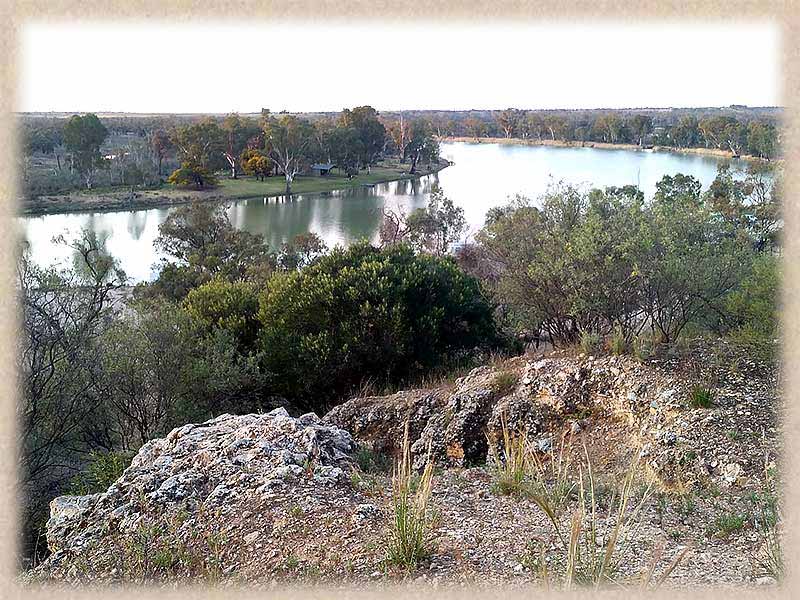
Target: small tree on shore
[[192, 174]]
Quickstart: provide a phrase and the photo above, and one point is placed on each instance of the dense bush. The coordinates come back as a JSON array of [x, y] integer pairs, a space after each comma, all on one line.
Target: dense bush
[[165, 366], [103, 469], [229, 306], [752, 306], [199, 244], [601, 261], [368, 313]]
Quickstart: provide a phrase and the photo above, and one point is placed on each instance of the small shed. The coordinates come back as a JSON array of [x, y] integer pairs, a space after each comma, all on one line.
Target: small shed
[[322, 169]]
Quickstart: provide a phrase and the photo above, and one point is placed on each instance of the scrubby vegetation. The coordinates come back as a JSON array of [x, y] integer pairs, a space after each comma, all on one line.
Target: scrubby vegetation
[[232, 325], [603, 266], [409, 531]]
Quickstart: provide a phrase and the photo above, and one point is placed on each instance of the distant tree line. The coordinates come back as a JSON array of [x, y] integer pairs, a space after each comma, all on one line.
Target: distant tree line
[[197, 152], [757, 137]]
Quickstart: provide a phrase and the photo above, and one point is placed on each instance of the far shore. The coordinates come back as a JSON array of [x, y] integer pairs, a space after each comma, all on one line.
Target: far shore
[[602, 145], [228, 190]]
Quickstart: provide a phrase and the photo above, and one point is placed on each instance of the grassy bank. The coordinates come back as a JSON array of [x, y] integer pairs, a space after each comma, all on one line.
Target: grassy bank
[[602, 145], [228, 189]]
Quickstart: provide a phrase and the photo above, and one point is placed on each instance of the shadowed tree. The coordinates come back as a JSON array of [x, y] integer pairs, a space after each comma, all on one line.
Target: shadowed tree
[[83, 136]]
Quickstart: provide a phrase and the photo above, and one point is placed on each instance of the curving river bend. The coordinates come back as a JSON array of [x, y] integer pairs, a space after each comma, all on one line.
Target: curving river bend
[[483, 176]]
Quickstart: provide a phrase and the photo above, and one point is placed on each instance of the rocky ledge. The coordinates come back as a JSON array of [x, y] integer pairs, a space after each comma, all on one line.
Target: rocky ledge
[[271, 497]]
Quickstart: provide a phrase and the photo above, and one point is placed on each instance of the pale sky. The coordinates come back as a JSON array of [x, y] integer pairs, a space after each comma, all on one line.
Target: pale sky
[[208, 67]]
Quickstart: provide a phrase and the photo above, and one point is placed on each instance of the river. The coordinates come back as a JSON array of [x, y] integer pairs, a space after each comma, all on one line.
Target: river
[[482, 176]]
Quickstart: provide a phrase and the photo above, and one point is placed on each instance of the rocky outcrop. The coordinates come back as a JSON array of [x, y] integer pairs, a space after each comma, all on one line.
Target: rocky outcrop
[[215, 465], [643, 405]]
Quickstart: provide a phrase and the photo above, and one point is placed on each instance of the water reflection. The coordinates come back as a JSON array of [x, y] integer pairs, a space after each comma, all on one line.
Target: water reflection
[[483, 176]]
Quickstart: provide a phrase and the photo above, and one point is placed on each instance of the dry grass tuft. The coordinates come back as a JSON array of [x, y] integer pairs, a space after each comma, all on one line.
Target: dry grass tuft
[[409, 530]]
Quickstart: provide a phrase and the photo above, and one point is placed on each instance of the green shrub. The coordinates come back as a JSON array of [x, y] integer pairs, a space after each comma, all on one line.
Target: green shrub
[[368, 313], [725, 525], [590, 343], [409, 529], [617, 344], [701, 397], [370, 461], [753, 305], [104, 468], [767, 519], [161, 370], [504, 382], [511, 469], [231, 306]]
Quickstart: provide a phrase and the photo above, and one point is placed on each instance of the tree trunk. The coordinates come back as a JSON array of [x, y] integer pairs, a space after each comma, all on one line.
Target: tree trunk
[[288, 185], [414, 160]]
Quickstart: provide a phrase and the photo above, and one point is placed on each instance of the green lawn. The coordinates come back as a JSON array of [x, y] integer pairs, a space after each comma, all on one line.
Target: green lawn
[[248, 187]]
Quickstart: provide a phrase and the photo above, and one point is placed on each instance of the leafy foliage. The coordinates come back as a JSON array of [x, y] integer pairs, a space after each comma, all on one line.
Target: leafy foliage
[[192, 174], [365, 312], [231, 306], [83, 136], [433, 229], [588, 264], [104, 469], [200, 243]]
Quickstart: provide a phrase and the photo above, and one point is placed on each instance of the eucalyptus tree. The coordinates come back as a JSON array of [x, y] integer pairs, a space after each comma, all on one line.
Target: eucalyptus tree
[[685, 133], [236, 133], [289, 143], [160, 145], [762, 139], [370, 131], [509, 121], [422, 145], [83, 137], [641, 126], [400, 134], [200, 144]]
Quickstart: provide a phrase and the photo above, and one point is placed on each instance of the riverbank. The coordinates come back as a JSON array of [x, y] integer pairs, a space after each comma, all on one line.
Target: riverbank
[[242, 188], [602, 145]]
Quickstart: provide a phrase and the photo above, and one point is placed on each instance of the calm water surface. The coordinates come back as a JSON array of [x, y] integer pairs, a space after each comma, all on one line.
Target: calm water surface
[[483, 176]]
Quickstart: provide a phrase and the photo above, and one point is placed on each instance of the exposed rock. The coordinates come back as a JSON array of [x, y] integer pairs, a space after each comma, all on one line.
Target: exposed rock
[[215, 465], [555, 396], [66, 512]]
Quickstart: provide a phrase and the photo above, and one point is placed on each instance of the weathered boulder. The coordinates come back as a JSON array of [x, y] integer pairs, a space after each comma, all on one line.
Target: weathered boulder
[[66, 513], [380, 421], [547, 398], [215, 464]]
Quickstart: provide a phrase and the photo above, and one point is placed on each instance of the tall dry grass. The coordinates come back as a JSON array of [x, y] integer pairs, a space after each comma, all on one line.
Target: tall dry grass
[[408, 542]]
